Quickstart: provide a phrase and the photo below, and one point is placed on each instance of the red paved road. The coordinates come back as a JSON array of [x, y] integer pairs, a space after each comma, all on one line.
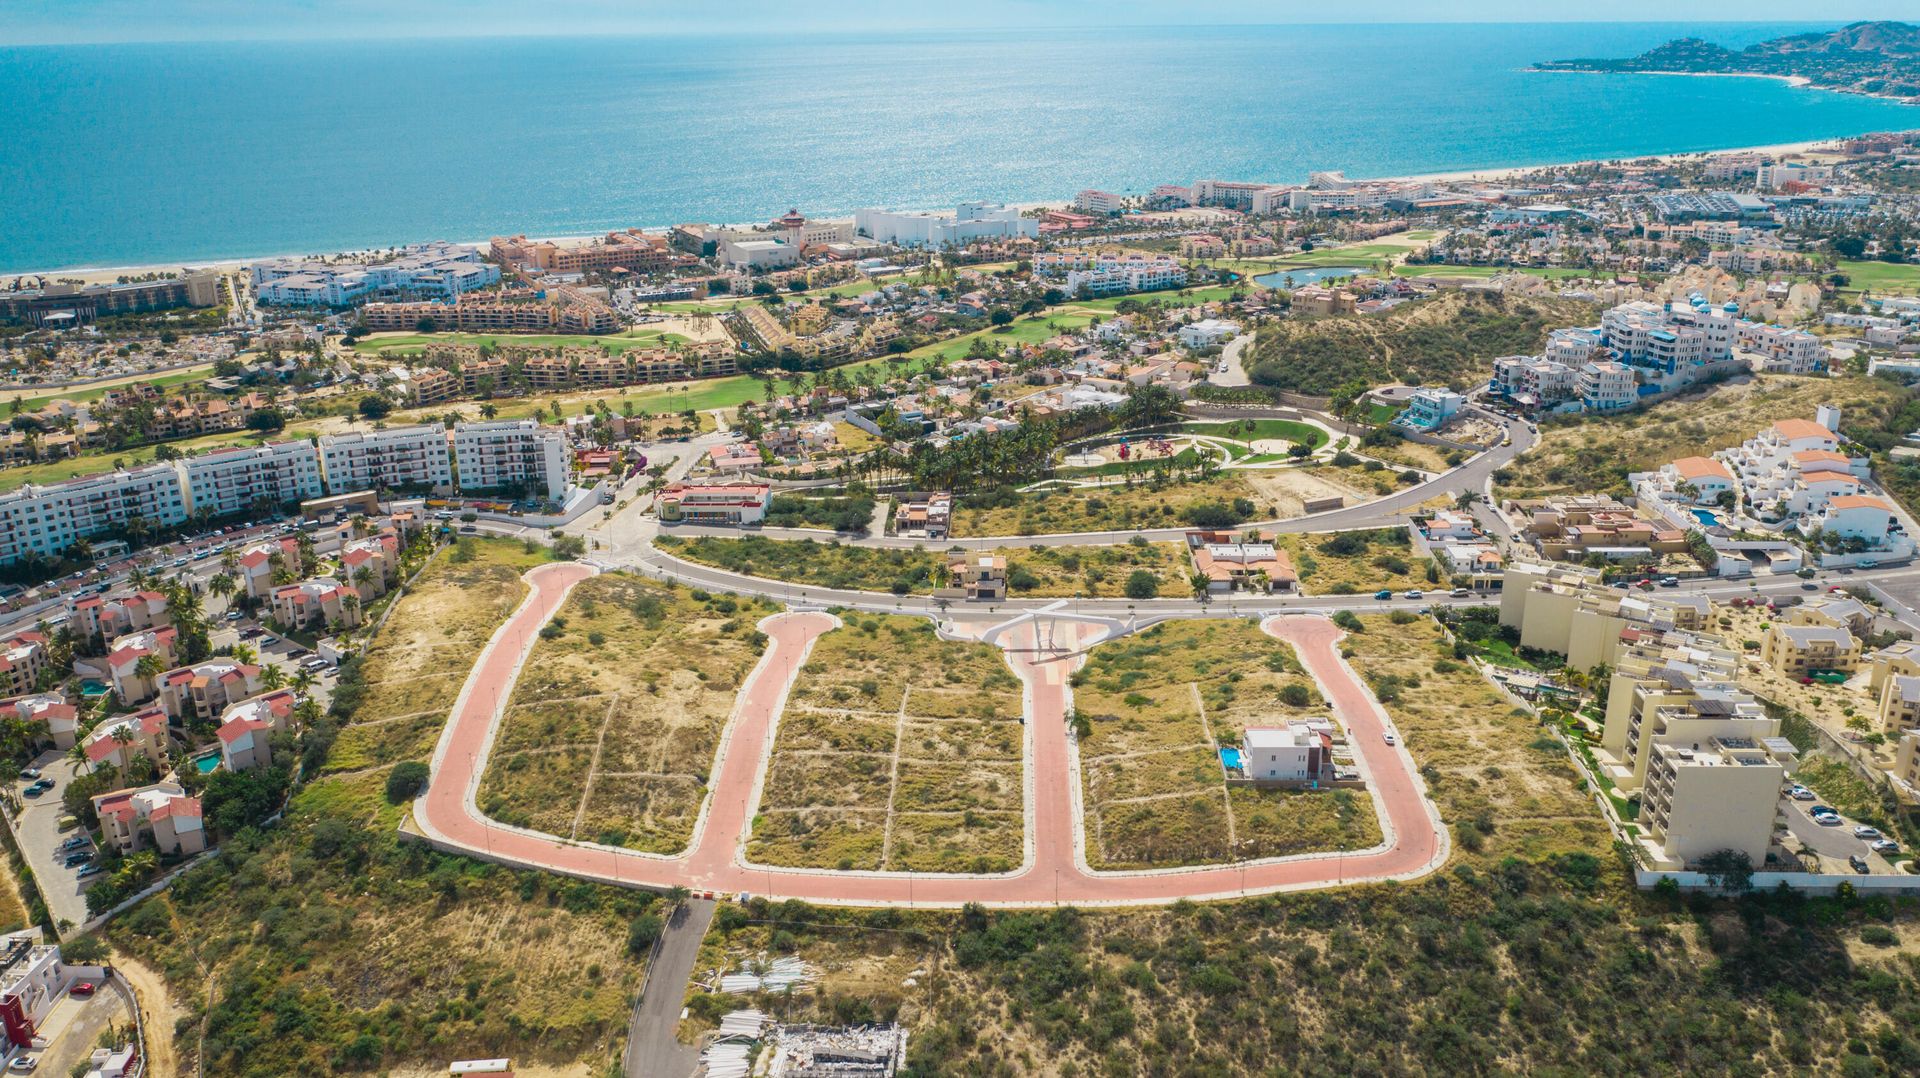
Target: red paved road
[[1055, 873]]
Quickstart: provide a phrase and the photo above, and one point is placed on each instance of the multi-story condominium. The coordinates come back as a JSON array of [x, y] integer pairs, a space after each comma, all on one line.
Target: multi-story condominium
[[1859, 516], [48, 710], [715, 503], [64, 304], [1791, 351], [1533, 381], [248, 726], [123, 662], [1773, 175], [205, 689], [46, 520], [1129, 273], [438, 269], [97, 617], [322, 601], [379, 555], [508, 453], [1659, 680], [228, 482], [1718, 794], [1668, 337], [1567, 609], [23, 657], [1700, 480], [971, 221], [160, 817], [1100, 202], [484, 377], [1900, 704], [430, 385], [403, 457], [260, 563], [1799, 650], [1606, 387], [631, 250], [118, 742]]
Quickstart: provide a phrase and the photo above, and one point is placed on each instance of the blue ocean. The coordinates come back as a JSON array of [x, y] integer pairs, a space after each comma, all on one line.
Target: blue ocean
[[136, 154]]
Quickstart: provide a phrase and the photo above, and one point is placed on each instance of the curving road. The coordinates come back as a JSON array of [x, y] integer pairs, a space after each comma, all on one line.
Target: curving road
[[1055, 869]]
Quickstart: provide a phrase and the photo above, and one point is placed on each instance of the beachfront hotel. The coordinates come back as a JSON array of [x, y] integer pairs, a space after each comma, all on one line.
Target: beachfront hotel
[[431, 269], [970, 221]]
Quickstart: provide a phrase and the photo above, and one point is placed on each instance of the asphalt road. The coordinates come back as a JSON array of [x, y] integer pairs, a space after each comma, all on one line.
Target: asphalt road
[[652, 1049], [1836, 844]]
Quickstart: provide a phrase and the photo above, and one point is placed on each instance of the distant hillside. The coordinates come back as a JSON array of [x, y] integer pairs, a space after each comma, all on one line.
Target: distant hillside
[[1878, 58]]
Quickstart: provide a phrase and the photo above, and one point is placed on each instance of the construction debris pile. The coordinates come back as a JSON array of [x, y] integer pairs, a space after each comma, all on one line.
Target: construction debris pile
[[777, 976], [837, 1051]]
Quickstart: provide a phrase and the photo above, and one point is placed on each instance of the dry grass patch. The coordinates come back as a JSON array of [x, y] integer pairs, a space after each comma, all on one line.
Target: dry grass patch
[[1039, 572], [1594, 455], [629, 678], [1093, 509], [889, 730], [1501, 780], [1356, 563], [364, 745]]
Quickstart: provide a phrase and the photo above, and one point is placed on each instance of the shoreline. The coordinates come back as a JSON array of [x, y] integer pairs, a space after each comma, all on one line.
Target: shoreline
[[236, 264]]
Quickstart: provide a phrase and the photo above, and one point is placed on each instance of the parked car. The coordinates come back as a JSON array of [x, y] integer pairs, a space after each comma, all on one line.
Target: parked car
[[91, 870], [1859, 864], [1808, 585], [233, 615], [1460, 593], [1864, 831], [83, 989], [1884, 846], [38, 788], [29, 772], [1800, 793], [1383, 593], [1670, 582], [24, 1064]]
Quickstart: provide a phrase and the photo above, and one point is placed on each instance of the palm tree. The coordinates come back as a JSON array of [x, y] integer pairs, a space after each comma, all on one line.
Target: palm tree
[[149, 667], [223, 584], [272, 678], [303, 680], [244, 654], [1201, 586]]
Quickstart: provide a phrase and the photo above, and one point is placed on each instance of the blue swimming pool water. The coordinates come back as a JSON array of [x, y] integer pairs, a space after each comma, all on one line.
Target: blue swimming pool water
[[206, 765], [1230, 758], [90, 687], [1706, 517]]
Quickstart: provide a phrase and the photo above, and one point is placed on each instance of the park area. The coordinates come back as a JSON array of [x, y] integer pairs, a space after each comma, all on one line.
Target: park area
[[612, 728], [403, 344], [897, 751], [1154, 710]]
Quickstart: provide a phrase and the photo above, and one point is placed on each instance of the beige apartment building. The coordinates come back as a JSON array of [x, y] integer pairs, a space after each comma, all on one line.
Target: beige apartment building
[[1566, 609], [1799, 651], [1722, 793]]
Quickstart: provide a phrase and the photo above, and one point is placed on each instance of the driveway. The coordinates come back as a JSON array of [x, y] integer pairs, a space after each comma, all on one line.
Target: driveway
[[653, 1049], [38, 828], [72, 1028]]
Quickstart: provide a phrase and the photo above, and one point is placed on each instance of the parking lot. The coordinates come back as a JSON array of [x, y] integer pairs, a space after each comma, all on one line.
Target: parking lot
[[38, 825], [1832, 845]]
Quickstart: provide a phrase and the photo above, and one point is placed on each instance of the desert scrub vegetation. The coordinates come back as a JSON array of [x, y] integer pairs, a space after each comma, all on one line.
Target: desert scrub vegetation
[[1583, 455], [325, 945], [897, 751], [1513, 959], [1357, 562], [1153, 710], [1221, 499], [610, 734], [1452, 338], [1039, 572]]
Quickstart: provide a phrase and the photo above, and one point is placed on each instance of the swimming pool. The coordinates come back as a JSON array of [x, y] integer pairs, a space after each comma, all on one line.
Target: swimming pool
[[1230, 758], [207, 764], [90, 687], [1706, 517]]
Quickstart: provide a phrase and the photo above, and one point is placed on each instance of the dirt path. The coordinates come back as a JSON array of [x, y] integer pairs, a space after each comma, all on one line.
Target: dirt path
[[158, 1013]]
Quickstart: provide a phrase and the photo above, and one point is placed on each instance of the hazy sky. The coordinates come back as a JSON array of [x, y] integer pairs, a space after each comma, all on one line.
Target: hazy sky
[[58, 21]]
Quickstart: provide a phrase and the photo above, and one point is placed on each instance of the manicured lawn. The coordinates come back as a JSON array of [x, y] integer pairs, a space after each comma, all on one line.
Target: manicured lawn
[[48, 396], [1882, 277], [1255, 430], [1551, 272], [417, 342]]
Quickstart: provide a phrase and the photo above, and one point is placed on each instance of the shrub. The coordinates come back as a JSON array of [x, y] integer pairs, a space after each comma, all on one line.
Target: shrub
[[406, 780], [1142, 584], [1349, 621]]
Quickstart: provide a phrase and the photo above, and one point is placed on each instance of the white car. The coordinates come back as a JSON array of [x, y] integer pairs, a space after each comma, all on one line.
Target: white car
[[1800, 793], [1392, 740], [1863, 831], [1415, 594]]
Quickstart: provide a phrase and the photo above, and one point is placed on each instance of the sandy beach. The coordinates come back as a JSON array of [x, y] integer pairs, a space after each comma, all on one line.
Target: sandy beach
[[107, 274]]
